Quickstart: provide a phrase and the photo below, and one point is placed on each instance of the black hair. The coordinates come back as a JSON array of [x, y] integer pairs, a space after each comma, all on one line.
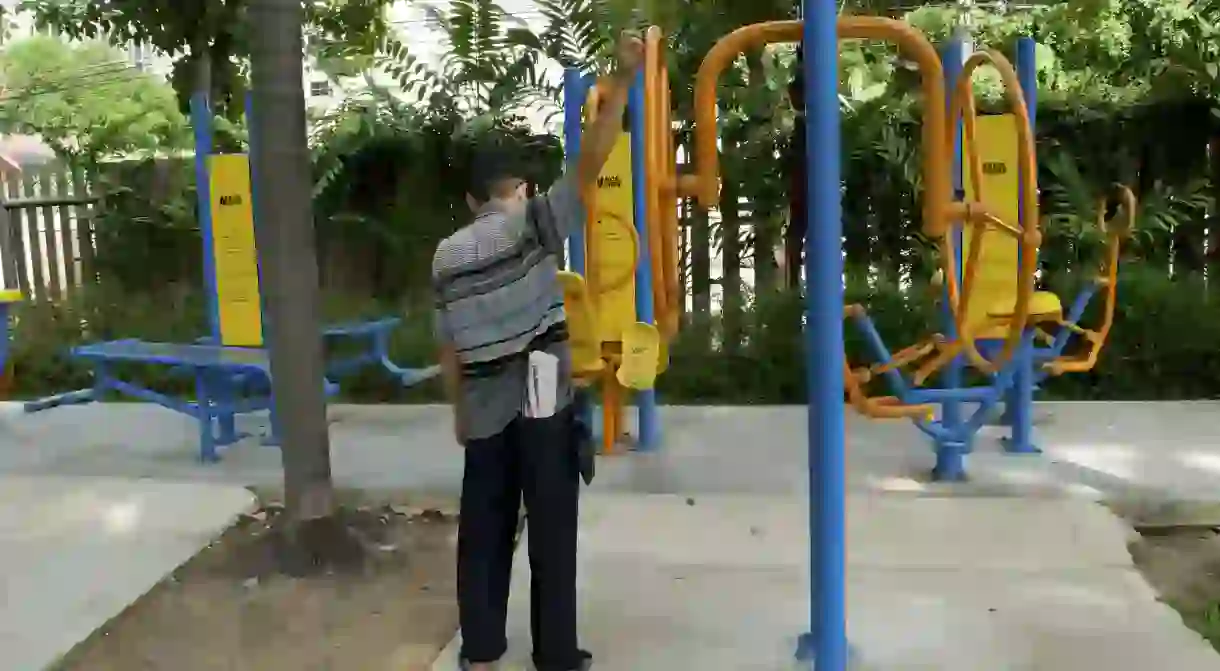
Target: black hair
[[493, 160]]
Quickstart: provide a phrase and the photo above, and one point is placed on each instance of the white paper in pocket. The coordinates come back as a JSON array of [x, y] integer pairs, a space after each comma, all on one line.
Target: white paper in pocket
[[541, 385]]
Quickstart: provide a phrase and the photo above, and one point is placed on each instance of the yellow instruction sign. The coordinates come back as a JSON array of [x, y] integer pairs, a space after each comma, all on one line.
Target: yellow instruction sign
[[614, 211], [234, 250]]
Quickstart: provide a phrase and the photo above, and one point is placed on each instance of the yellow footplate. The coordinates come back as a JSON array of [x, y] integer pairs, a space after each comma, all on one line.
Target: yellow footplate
[[582, 337], [641, 356]]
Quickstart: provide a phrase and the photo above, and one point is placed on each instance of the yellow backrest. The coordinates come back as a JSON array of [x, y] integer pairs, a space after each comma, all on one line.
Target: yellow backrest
[[995, 283]]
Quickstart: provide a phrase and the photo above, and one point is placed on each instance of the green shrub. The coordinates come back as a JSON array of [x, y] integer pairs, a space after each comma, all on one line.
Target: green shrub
[[1163, 345]]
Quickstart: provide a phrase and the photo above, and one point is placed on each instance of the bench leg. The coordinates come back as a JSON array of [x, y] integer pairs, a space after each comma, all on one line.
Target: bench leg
[[203, 415], [224, 391], [272, 437]]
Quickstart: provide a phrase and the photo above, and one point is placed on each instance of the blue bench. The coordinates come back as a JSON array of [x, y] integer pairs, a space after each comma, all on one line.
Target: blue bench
[[229, 381]]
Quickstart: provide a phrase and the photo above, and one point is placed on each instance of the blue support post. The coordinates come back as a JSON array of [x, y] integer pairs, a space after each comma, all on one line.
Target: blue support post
[[1019, 404], [951, 454], [575, 90], [826, 642], [645, 401], [201, 124]]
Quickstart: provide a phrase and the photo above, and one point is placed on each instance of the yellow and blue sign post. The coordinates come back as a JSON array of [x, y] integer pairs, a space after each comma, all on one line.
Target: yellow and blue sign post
[[238, 300], [226, 225], [225, 195]]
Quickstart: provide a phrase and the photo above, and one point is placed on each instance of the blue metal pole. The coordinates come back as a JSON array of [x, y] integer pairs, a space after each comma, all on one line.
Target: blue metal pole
[[201, 124], [1020, 401], [574, 92], [950, 454], [824, 341], [645, 401]]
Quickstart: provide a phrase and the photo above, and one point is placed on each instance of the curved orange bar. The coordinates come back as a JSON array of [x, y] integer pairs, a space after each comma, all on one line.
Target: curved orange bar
[[885, 407], [654, 116], [1030, 238], [936, 152], [1109, 275]]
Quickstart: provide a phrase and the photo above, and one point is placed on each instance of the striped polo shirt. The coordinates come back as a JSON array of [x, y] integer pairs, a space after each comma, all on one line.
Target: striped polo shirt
[[498, 298]]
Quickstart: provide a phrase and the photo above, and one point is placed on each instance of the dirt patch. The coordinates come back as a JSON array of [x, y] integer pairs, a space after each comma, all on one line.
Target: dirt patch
[[231, 608], [1182, 563]]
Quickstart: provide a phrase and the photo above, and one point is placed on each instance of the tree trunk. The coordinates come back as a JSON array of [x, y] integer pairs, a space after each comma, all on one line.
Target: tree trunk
[[285, 234], [202, 53]]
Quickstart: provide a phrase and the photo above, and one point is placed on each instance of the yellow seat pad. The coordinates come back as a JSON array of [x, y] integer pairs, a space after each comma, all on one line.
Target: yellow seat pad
[[1043, 306], [582, 335], [641, 356]]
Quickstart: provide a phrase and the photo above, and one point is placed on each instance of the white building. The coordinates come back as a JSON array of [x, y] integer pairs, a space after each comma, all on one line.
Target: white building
[[322, 94]]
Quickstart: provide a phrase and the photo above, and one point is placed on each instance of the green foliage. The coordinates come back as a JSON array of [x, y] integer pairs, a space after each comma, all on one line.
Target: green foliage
[[1162, 346], [85, 102], [390, 183], [210, 39], [146, 231]]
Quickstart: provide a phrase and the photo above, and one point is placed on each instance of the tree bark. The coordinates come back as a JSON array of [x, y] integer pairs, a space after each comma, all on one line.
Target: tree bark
[[288, 259]]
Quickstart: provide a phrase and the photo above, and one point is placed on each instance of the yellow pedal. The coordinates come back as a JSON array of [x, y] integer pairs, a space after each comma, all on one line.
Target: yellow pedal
[[641, 356], [582, 334], [11, 296]]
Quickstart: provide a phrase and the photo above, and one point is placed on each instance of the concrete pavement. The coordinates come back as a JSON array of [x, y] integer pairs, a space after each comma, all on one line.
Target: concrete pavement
[[76, 551], [1111, 451], [745, 468], [933, 585]]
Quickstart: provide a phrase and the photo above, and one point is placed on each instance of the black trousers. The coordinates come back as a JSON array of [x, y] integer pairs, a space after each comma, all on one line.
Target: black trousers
[[535, 459]]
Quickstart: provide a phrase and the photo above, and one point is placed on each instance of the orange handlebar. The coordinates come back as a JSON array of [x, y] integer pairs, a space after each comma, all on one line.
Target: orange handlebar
[[1116, 229], [936, 151], [661, 184]]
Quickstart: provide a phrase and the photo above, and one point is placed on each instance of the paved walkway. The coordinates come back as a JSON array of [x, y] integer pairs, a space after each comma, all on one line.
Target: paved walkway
[[933, 585], [1138, 455], [76, 551], [1115, 451]]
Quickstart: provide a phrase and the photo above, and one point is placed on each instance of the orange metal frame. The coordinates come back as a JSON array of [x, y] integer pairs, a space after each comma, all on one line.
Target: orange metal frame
[[940, 210]]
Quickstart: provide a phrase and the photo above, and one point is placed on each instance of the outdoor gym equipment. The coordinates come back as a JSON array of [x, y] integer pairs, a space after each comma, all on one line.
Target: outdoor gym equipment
[[230, 366], [990, 322], [622, 290], [991, 306]]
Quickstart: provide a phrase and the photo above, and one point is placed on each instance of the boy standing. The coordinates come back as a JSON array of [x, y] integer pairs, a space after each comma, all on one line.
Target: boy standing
[[507, 371]]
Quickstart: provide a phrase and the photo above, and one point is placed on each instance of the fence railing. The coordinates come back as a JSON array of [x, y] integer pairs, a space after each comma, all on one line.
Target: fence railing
[[47, 244]]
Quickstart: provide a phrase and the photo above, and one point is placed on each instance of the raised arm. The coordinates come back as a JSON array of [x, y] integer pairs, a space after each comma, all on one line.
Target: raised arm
[[598, 139], [557, 212]]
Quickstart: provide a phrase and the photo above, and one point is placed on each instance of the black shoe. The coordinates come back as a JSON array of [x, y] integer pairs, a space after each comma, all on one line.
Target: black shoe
[[585, 663]]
